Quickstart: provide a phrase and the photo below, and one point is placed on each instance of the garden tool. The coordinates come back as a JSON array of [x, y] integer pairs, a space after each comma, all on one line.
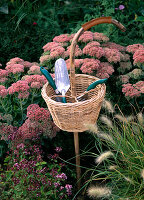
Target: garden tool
[[61, 77], [90, 87], [51, 82]]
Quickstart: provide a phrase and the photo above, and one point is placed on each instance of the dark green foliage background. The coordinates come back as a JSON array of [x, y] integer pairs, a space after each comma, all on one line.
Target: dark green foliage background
[[19, 37]]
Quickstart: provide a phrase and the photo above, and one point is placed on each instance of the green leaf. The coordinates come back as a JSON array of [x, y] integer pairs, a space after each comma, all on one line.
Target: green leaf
[[140, 19], [7, 159]]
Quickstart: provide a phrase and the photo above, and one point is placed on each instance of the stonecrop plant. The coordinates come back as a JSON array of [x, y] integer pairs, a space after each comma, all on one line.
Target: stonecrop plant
[[23, 113], [97, 56]]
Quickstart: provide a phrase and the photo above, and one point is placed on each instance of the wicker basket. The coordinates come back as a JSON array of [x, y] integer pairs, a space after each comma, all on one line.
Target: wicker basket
[[73, 115]]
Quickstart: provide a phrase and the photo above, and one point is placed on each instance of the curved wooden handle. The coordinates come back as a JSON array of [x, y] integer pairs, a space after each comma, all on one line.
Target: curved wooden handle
[[96, 21], [102, 20], [85, 27]]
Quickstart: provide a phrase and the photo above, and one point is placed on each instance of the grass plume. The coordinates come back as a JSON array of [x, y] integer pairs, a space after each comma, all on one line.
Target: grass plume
[[103, 157], [99, 192]]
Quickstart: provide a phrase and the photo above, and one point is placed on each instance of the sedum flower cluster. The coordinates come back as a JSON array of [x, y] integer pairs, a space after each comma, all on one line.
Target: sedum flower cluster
[[37, 123], [96, 55], [89, 53], [20, 97]]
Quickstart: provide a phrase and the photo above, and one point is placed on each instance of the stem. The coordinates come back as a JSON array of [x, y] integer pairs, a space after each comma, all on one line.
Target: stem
[[21, 107], [3, 105], [33, 92]]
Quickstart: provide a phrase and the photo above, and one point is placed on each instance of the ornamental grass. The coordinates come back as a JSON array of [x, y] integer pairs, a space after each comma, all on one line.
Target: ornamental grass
[[119, 163]]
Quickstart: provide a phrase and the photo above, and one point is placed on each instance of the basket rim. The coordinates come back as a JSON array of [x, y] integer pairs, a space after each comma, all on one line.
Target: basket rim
[[46, 97]]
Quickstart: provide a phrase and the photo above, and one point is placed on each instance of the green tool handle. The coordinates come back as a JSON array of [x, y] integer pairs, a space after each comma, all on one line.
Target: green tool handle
[[64, 100], [52, 83], [94, 84], [48, 77]]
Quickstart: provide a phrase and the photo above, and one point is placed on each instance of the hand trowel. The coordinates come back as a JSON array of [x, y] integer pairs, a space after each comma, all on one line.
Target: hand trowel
[[61, 77]]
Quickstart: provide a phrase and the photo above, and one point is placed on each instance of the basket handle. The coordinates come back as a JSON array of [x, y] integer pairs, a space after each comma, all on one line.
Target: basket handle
[[85, 27]]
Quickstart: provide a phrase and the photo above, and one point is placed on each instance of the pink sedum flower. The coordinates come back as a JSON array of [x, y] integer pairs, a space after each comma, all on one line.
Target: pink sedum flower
[[3, 91], [112, 55], [3, 73], [37, 122], [28, 130], [15, 61], [50, 45], [78, 51], [15, 68], [35, 78], [27, 64], [93, 49], [35, 85], [87, 36], [124, 78], [3, 80], [124, 57], [44, 58], [100, 37], [34, 69], [133, 48], [62, 38], [77, 63], [138, 57], [140, 86], [57, 52], [134, 90], [90, 65], [19, 87], [23, 95], [104, 70], [112, 45], [124, 66], [32, 108]]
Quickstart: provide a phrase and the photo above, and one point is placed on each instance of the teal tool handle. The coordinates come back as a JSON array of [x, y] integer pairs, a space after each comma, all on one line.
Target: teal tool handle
[[64, 100], [48, 77], [94, 84]]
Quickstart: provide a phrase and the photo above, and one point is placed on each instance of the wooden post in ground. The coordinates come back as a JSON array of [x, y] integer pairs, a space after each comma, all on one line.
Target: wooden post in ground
[[78, 169]]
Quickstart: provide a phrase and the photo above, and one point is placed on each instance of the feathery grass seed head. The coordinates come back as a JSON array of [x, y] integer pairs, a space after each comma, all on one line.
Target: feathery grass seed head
[[142, 173], [106, 136], [120, 118], [107, 105], [92, 128], [107, 121], [98, 192], [140, 118], [103, 157], [112, 167]]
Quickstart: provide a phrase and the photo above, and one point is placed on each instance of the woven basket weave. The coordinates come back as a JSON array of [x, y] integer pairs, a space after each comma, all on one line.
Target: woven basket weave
[[73, 115]]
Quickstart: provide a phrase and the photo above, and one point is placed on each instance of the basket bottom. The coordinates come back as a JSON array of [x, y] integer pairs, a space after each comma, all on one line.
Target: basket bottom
[[76, 121]]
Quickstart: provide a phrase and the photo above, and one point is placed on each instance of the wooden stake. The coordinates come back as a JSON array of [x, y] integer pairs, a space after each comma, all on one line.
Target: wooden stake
[[78, 169]]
